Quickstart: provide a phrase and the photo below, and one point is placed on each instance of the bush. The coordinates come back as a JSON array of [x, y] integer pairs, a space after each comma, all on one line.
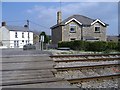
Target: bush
[[112, 45], [64, 44], [77, 45], [96, 46], [118, 46]]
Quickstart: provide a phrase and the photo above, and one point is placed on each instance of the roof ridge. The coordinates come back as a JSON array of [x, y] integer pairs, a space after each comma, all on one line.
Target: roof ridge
[[85, 20], [80, 15], [87, 17]]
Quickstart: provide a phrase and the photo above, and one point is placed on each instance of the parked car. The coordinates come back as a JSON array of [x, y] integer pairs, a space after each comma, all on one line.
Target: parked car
[[29, 47]]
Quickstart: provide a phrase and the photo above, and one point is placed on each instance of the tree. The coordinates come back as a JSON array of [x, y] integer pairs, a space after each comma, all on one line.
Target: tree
[[46, 38]]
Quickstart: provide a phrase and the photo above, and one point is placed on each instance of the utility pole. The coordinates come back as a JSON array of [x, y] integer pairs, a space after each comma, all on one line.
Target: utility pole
[[28, 23], [28, 30], [60, 5]]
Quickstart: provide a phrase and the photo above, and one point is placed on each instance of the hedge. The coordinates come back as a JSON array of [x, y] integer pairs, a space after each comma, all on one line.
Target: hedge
[[118, 46], [90, 46], [96, 46]]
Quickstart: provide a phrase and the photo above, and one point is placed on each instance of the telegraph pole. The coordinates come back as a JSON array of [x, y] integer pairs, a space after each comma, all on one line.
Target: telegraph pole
[[60, 5], [28, 23], [28, 30]]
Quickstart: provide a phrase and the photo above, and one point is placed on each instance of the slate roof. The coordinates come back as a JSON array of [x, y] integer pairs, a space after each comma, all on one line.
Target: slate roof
[[82, 19], [17, 28]]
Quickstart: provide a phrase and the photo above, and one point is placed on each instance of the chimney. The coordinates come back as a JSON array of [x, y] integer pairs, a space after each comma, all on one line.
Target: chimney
[[26, 26], [59, 17], [3, 23]]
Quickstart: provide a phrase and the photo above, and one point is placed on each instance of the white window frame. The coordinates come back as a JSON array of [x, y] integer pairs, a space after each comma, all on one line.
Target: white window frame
[[26, 41], [16, 35], [28, 35], [17, 43], [22, 34]]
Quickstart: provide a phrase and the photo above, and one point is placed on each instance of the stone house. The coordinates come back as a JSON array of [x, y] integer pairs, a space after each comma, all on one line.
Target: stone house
[[78, 27]]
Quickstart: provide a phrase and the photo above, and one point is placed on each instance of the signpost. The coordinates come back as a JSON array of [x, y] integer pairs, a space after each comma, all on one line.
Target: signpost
[[42, 41]]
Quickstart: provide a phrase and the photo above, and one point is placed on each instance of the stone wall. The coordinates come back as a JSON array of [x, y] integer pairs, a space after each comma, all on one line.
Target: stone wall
[[90, 31], [56, 35], [67, 35]]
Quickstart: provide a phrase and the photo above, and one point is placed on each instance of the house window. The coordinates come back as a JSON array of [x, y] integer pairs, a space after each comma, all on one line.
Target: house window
[[72, 39], [22, 34], [16, 35], [28, 35], [97, 29], [97, 39], [26, 41], [17, 43], [73, 28]]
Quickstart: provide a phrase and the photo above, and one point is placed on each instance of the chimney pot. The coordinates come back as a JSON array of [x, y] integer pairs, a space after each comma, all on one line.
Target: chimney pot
[[3, 23]]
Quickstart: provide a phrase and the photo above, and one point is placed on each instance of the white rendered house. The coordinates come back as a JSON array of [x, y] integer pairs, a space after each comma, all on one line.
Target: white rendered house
[[15, 36]]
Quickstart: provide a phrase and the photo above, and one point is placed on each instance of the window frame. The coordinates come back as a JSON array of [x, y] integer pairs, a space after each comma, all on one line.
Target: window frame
[[16, 34], [72, 39], [28, 34], [23, 35], [74, 26], [17, 43], [98, 30]]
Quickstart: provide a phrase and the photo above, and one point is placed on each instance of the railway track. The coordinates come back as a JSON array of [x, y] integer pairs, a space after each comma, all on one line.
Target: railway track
[[89, 57], [76, 80], [84, 55], [96, 59], [86, 67], [68, 65]]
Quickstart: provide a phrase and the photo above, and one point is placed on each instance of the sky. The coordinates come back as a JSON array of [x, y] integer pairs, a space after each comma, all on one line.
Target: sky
[[42, 15]]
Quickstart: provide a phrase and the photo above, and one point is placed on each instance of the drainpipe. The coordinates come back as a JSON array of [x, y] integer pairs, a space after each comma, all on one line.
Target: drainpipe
[[82, 33], [28, 31]]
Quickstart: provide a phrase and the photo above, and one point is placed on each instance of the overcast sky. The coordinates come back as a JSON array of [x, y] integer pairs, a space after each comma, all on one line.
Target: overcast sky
[[44, 13]]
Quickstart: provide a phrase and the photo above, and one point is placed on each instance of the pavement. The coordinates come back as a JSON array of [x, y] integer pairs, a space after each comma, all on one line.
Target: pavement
[[20, 52], [29, 69]]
